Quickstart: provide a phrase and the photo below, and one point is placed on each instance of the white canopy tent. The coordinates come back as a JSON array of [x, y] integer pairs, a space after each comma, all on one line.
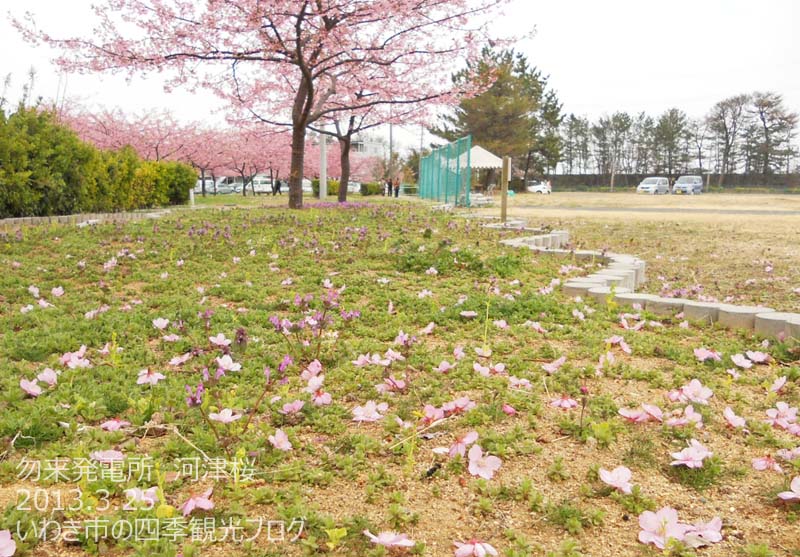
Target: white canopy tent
[[480, 158]]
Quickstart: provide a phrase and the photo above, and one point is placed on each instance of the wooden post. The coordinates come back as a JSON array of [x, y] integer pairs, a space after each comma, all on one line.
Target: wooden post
[[505, 176]]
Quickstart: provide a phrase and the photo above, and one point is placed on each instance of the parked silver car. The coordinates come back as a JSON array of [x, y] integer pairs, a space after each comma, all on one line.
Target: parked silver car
[[688, 184], [653, 185]]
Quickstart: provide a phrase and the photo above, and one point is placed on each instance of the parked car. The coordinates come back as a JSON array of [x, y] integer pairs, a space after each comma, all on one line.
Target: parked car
[[261, 184], [653, 185], [353, 187], [198, 188], [542, 187], [307, 186], [688, 184]]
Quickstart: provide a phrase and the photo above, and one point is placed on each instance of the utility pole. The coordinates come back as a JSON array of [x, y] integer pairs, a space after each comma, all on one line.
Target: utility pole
[[391, 149]]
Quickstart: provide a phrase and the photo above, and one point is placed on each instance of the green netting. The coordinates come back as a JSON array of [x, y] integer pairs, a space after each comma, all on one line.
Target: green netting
[[445, 174]]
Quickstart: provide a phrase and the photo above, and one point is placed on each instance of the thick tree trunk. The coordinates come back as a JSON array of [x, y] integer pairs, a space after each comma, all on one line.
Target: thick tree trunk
[[203, 180], [296, 170], [344, 159]]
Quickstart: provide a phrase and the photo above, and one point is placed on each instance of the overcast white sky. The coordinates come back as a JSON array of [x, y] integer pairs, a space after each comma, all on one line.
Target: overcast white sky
[[601, 55]]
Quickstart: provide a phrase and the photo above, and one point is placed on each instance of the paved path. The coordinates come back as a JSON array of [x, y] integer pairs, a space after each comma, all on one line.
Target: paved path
[[660, 210]]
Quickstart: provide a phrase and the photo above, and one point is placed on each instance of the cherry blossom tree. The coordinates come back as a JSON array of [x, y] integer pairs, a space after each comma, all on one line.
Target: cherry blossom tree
[[282, 60]]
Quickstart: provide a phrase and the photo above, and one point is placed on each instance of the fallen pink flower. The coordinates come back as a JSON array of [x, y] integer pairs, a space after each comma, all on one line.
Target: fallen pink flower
[[280, 440], [468, 314], [517, 383], [733, 420], [482, 465], [509, 410], [7, 545], [565, 402], [661, 526], [114, 424], [741, 361], [107, 456], [30, 387], [794, 493], [370, 412], [704, 354], [688, 416], [619, 341], [219, 340], [461, 444], [700, 533], [692, 456], [474, 548], [225, 416], [390, 539], [500, 323], [778, 384], [444, 366], [767, 463], [555, 365], [48, 376], [757, 357], [291, 408], [202, 501], [147, 376], [180, 360], [160, 323], [226, 363], [428, 328], [782, 415], [619, 478]]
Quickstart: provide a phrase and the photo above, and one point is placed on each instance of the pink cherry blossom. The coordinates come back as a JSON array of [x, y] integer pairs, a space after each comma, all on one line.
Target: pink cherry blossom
[[160, 323], [459, 447], [509, 410], [224, 416], [428, 328], [321, 398], [180, 360], [458, 352], [688, 416], [394, 356], [370, 412], [7, 545], [767, 463], [468, 314], [733, 373], [757, 357], [565, 402], [782, 415], [114, 424], [704, 354], [740, 361], [482, 465], [280, 441], [483, 351], [432, 414], [692, 456], [733, 420], [34, 291], [619, 478], [31, 388], [555, 365], [48, 376], [474, 548], [645, 413], [226, 363], [693, 391], [107, 456], [618, 340], [658, 527], [202, 501], [794, 493], [291, 408], [517, 383], [789, 454], [578, 315], [390, 385], [500, 323], [778, 384], [390, 539], [312, 370], [44, 303], [140, 498], [700, 533], [147, 376], [444, 366], [458, 406], [219, 340]]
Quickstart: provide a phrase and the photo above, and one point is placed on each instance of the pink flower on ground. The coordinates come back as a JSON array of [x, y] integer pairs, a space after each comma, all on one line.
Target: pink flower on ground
[[458, 352], [789, 454], [7, 545], [202, 501], [280, 441], [225, 416], [31, 388], [565, 402], [688, 416], [692, 456], [482, 465], [390, 385], [509, 410], [160, 323], [782, 415], [794, 493], [517, 383], [658, 527], [321, 398], [704, 354], [219, 340], [555, 365], [474, 548], [778, 384], [312, 370], [741, 361], [370, 412], [390, 539], [444, 367], [428, 328], [458, 406], [461, 444], [536, 326], [226, 363], [140, 498], [578, 315], [147, 376], [431, 414], [483, 352], [733, 420], [172, 337], [468, 314], [619, 478], [291, 408], [767, 463], [48, 376], [700, 534], [34, 291], [107, 457], [180, 360], [618, 340], [114, 424], [500, 323], [757, 357], [693, 391]]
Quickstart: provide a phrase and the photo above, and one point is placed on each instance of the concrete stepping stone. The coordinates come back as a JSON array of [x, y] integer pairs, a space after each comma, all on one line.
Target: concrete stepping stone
[[740, 317], [601, 293], [629, 299], [628, 277], [665, 307], [707, 312], [774, 324], [793, 329], [579, 287]]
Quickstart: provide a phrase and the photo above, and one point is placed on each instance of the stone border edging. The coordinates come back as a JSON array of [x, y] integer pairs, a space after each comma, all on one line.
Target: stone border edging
[[84, 219], [621, 274]]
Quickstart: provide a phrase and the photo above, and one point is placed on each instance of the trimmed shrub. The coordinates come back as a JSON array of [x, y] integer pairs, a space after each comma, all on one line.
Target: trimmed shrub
[[371, 188]]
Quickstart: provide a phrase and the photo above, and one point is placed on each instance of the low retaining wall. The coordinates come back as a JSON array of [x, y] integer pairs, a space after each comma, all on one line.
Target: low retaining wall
[[83, 218]]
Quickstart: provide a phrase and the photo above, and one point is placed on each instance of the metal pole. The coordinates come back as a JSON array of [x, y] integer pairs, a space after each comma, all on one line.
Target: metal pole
[[323, 167], [505, 175]]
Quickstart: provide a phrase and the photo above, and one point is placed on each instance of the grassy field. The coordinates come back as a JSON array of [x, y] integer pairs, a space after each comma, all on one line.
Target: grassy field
[[347, 356], [745, 258]]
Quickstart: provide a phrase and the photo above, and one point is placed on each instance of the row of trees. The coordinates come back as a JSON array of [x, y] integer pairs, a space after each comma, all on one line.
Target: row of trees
[[337, 67], [45, 169], [745, 133]]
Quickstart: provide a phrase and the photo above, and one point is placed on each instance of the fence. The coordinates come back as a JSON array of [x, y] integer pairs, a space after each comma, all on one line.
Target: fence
[[582, 182], [445, 174]]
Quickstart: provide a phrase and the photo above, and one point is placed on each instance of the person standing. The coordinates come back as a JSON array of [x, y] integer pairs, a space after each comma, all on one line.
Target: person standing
[[397, 187], [388, 187]]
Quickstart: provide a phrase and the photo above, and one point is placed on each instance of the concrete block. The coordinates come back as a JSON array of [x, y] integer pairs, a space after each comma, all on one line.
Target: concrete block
[[608, 280], [740, 317], [632, 298], [774, 324], [793, 329], [600, 293], [574, 288], [707, 312], [628, 277], [665, 307], [637, 265], [584, 254]]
